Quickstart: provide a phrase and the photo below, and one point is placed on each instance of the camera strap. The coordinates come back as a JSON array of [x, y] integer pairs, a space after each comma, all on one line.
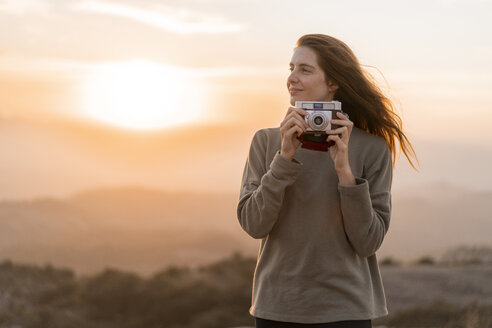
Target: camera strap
[[313, 145]]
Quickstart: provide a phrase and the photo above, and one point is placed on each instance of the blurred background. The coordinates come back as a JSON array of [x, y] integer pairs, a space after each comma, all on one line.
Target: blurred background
[[125, 126]]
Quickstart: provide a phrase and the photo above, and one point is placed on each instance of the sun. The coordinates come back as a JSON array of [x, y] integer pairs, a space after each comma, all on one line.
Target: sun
[[140, 94]]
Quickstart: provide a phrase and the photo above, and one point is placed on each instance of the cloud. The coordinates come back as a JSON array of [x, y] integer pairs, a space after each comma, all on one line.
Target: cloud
[[19, 7], [449, 2], [163, 17]]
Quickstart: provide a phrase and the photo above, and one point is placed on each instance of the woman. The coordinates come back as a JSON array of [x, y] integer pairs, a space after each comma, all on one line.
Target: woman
[[321, 216]]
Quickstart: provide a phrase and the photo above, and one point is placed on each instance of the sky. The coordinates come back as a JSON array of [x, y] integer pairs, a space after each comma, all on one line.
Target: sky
[[155, 66]]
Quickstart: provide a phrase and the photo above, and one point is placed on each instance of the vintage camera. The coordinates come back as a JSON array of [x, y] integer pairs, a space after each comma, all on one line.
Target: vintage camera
[[320, 114]]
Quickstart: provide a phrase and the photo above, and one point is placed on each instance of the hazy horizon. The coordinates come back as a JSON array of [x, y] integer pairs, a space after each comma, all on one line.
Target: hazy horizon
[[68, 157]]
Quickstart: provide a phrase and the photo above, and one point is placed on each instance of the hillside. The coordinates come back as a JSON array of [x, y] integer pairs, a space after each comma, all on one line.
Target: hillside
[[143, 230], [218, 294]]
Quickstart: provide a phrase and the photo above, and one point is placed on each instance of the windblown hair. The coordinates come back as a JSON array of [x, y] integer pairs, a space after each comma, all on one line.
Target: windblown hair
[[369, 109]]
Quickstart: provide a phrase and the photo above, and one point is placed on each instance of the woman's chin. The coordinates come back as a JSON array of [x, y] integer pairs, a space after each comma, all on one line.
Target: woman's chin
[[293, 100]]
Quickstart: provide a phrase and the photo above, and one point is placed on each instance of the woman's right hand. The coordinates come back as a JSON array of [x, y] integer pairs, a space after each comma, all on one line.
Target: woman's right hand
[[292, 127]]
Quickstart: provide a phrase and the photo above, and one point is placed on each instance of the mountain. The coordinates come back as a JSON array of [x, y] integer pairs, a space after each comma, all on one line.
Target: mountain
[[129, 228], [143, 230], [430, 219]]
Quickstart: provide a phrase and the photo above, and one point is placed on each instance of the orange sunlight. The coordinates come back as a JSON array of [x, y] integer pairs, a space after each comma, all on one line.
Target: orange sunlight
[[141, 95]]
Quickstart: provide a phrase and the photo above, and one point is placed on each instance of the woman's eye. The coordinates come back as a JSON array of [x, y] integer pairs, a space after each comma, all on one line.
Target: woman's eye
[[304, 70]]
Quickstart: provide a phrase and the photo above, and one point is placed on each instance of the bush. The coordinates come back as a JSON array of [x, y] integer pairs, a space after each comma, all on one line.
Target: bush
[[212, 296], [468, 255], [426, 260], [389, 261]]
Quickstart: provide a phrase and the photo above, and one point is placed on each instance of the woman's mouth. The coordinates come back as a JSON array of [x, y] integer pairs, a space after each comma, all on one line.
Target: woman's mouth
[[293, 91]]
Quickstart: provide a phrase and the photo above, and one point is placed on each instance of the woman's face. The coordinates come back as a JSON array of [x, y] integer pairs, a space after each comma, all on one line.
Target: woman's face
[[307, 80]]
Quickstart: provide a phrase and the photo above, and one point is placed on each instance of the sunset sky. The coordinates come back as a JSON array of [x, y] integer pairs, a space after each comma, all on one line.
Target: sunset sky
[[149, 69]]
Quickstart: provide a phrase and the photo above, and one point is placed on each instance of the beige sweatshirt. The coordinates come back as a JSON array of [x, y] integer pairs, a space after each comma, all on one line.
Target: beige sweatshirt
[[316, 261]]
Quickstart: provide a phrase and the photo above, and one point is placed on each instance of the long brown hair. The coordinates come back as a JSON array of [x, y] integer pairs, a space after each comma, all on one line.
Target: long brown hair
[[361, 98]]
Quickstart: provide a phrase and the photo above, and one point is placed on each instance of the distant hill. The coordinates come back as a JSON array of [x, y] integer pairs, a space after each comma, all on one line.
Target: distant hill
[[433, 218], [129, 228], [143, 230]]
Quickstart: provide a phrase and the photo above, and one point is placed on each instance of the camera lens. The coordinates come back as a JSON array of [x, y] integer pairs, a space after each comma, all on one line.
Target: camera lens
[[318, 120]]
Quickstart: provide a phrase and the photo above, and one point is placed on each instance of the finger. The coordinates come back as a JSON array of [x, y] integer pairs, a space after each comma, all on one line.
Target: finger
[[291, 114], [294, 130], [342, 116], [337, 131], [342, 122], [298, 117], [286, 124], [343, 132], [295, 121], [289, 122], [295, 114], [288, 129], [340, 144], [299, 111]]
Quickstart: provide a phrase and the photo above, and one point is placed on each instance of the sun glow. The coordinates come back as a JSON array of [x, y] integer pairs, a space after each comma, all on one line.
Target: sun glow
[[142, 95]]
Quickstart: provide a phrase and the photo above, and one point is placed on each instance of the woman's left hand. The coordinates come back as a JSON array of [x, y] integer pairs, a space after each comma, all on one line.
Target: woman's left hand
[[339, 151]]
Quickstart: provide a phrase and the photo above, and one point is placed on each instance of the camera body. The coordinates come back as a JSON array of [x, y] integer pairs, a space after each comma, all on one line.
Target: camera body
[[320, 114]]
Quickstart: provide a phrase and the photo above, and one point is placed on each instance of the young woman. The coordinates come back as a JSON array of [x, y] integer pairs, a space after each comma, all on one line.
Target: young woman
[[321, 216]]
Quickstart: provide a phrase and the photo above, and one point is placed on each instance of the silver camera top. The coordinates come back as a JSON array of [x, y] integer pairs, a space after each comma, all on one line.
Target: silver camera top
[[319, 105]]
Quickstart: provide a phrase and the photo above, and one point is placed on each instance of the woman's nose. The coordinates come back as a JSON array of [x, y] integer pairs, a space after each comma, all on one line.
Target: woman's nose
[[292, 77]]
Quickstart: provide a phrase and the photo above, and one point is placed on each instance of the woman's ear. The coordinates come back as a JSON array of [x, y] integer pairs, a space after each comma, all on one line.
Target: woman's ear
[[332, 86]]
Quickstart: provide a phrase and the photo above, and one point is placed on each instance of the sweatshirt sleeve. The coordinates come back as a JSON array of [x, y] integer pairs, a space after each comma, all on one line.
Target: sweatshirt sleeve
[[366, 206], [263, 188]]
